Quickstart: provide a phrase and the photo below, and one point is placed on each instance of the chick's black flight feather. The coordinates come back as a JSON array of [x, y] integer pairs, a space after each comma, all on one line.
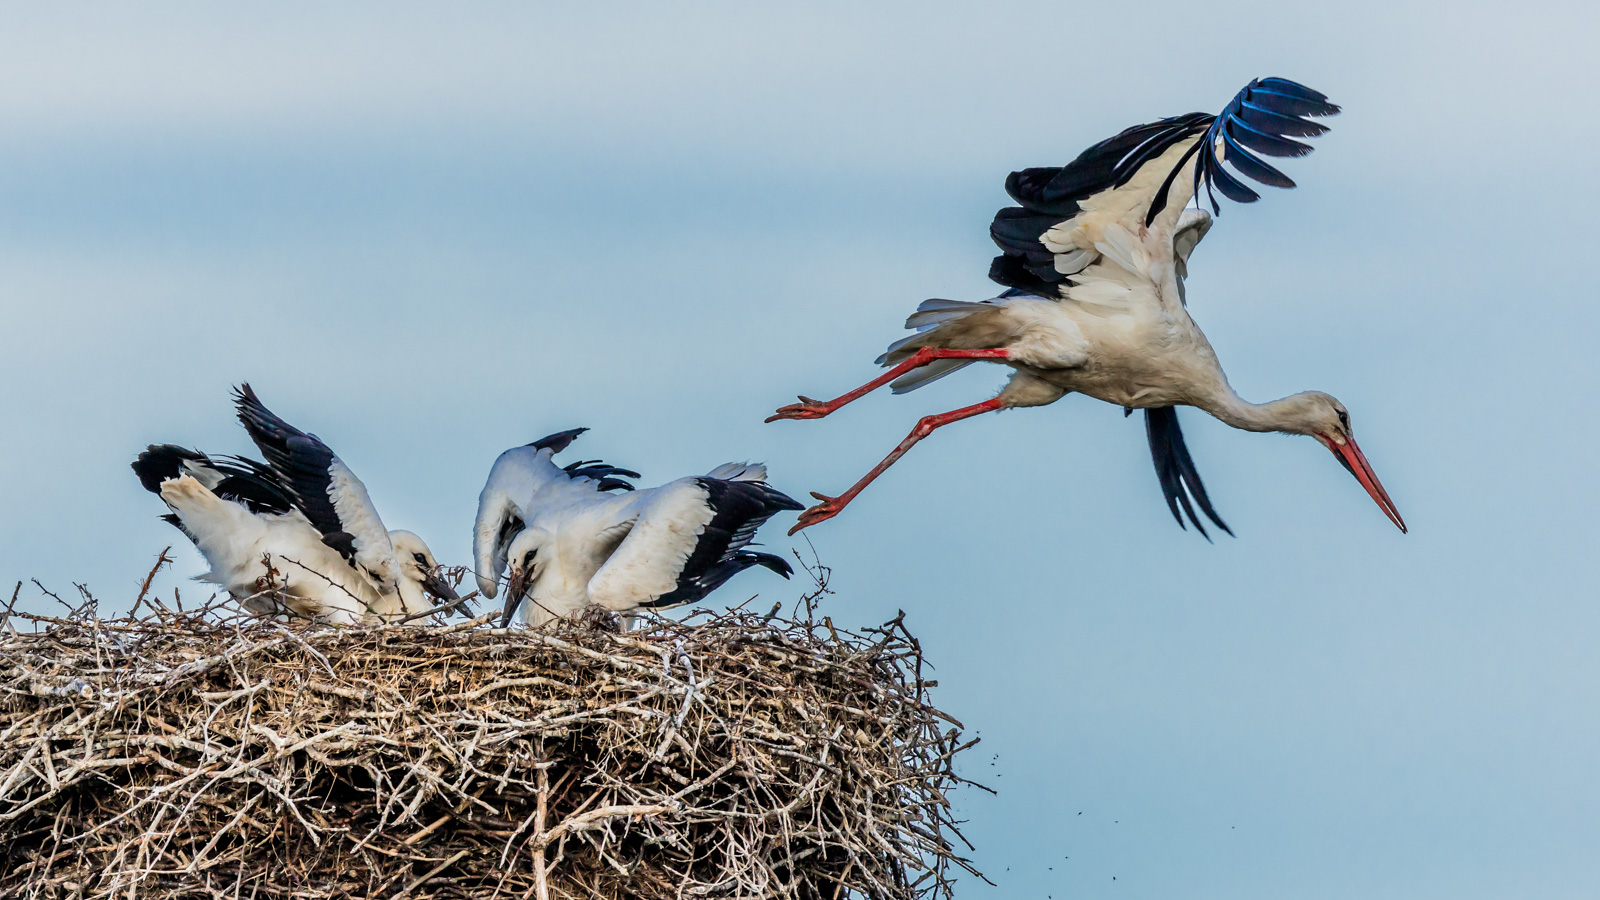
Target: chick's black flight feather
[[302, 462], [242, 480], [739, 508], [607, 476]]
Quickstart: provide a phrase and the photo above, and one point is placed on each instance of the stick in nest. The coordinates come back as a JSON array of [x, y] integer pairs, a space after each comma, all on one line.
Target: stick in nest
[[196, 754]]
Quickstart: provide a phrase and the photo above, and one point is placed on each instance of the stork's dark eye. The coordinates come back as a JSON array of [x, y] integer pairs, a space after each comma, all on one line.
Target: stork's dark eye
[[1344, 419], [422, 560]]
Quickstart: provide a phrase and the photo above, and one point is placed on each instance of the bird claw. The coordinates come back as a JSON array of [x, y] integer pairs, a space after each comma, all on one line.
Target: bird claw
[[807, 408], [822, 512]]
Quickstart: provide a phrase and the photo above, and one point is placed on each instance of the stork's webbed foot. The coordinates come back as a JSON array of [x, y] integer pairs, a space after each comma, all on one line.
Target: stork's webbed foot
[[807, 408], [822, 512]]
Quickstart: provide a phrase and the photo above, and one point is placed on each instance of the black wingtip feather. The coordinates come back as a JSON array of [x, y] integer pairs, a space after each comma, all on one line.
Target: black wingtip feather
[[1261, 117], [1293, 89], [594, 468], [1180, 480], [241, 480], [778, 501], [559, 441], [739, 508], [772, 562], [300, 460], [1253, 166], [162, 462], [1014, 272], [1288, 105], [606, 477]]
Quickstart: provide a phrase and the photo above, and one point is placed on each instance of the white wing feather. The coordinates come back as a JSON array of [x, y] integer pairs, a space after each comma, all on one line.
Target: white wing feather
[[649, 560], [515, 478], [359, 518]]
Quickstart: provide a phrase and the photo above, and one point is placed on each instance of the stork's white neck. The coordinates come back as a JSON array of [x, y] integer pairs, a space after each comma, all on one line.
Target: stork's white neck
[[1286, 414]]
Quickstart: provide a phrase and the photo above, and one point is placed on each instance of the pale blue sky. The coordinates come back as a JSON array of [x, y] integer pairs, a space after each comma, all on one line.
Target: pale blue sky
[[428, 238]]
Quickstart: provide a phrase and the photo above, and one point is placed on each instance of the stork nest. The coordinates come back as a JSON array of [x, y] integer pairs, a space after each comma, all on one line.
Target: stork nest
[[203, 754]]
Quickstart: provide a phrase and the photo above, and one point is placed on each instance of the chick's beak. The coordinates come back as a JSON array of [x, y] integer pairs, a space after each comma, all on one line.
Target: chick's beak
[[1355, 462], [514, 587], [436, 585]]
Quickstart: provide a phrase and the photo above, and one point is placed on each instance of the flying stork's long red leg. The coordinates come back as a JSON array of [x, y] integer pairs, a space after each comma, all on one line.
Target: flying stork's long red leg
[[808, 408], [832, 506]]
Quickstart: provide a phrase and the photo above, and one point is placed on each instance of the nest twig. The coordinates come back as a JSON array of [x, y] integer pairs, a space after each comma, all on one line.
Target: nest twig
[[200, 754]]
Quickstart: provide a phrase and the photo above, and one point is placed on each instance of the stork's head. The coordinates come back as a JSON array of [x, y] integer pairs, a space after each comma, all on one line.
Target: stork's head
[[418, 567], [524, 561], [1323, 417]]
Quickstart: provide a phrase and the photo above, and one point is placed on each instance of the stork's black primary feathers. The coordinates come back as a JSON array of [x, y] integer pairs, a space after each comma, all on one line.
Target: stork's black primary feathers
[[559, 441], [609, 477], [302, 461], [243, 480], [1174, 467], [163, 462], [1260, 119]]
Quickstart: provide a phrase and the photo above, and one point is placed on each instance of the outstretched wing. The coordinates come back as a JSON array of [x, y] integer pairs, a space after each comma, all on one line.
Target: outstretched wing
[[1134, 185], [508, 497], [240, 480], [229, 477], [1261, 118], [687, 541], [325, 490], [516, 476]]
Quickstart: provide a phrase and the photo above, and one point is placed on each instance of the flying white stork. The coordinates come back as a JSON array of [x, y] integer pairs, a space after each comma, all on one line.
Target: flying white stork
[[1095, 257], [300, 522], [580, 535]]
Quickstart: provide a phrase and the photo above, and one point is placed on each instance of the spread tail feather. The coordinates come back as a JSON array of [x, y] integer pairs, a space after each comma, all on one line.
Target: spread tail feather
[[935, 312], [930, 320]]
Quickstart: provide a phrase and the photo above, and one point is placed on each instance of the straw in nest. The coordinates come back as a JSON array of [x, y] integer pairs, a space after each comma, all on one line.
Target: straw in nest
[[199, 754]]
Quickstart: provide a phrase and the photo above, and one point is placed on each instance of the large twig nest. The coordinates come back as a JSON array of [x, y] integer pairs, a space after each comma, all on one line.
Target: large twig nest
[[198, 755]]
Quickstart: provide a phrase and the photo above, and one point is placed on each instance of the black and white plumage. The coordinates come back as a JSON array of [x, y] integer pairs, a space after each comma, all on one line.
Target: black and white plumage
[[301, 522], [1096, 255], [579, 536]]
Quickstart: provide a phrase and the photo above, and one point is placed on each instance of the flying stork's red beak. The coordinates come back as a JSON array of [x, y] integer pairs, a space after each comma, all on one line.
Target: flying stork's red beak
[[1351, 457]]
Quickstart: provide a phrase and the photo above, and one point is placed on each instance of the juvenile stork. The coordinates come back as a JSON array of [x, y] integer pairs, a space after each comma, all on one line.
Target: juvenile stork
[[1095, 256], [580, 535], [301, 523]]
